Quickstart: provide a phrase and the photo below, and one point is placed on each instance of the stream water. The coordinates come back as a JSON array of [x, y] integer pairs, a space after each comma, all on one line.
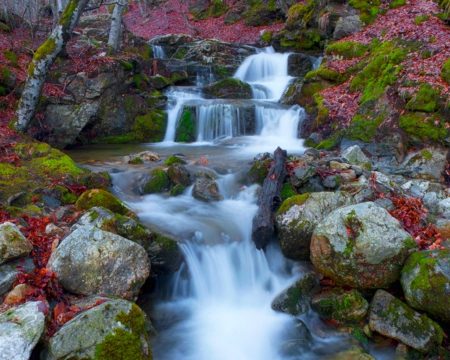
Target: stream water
[[218, 305]]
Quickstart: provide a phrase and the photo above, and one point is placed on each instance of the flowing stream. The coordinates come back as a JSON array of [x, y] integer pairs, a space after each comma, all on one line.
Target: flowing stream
[[218, 305]]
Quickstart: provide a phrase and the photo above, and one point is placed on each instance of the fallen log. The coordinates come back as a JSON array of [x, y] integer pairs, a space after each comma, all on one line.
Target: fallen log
[[269, 201]]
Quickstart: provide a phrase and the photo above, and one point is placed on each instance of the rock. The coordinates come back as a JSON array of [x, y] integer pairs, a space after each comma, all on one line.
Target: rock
[[300, 344], [206, 190], [162, 248], [385, 203], [13, 244], [144, 156], [156, 181], [179, 175], [444, 208], [259, 170], [9, 271], [361, 246], [340, 305], [347, 175], [112, 330], [347, 26], [298, 216], [20, 330], [302, 174], [174, 160], [18, 294], [228, 89], [299, 64], [360, 190], [295, 299], [355, 156], [339, 166], [392, 318], [354, 353], [426, 282], [92, 261], [427, 164], [331, 182], [98, 197], [207, 174]]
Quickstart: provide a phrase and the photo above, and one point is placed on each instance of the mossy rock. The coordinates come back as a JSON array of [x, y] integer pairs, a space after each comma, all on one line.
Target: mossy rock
[[185, 131], [228, 89], [157, 182], [420, 127], [445, 72], [259, 171], [346, 49], [173, 160], [426, 99], [98, 197]]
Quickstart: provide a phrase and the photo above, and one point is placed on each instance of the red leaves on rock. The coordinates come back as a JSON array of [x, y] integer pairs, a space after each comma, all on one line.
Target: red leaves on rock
[[44, 282], [42, 243]]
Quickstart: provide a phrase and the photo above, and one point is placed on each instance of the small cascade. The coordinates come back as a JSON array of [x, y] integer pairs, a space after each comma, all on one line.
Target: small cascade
[[218, 121], [158, 52], [205, 76]]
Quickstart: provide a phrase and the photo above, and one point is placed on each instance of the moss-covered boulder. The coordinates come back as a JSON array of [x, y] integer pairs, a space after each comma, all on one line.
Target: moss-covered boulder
[[162, 248], [394, 319], [355, 352], [259, 171], [174, 160], [21, 328], [295, 299], [228, 89], [361, 246], [179, 175], [92, 261], [114, 329], [426, 282], [340, 305], [156, 181], [13, 244], [206, 190], [185, 131], [298, 216], [98, 197]]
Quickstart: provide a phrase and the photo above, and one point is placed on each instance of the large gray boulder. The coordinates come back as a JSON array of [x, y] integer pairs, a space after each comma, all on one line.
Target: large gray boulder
[[179, 175], [426, 282], [295, 299], [112, 330], [347, 26], [299, 215], [361, 246], [162, 248], [355, 156], [394, 319], [427, 164], [206, 190], [93, 261], [20, 330], [13, 244]]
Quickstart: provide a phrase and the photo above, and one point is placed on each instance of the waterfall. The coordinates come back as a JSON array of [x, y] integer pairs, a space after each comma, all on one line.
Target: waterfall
[[217, 121], [158, 52]]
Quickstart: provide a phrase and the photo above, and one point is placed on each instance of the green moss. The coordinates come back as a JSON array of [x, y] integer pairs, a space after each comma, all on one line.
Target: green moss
[[293, 200], [46, 49], [98, 197], [174, 160], [159, 182], [426, 154], [364, 128], [66, 16], [300, 15], [57, 162], [126, 343], [3, 91], [266, 36], [177, 190], [181, 53], [397, 3], [4, 27], [322, 110], [326, 74], [420, 19], [136, 161], [126, 65], [259, 171], [369, 9], [347, 49], [426, 99], [13, 58], [421, 127], [185, 130], [287, 191]]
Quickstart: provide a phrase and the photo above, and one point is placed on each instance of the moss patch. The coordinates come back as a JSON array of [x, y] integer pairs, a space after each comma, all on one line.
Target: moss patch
[[159, 182], [293, 200], [185, 130], [98, 197], [347, 49], [445, 73]]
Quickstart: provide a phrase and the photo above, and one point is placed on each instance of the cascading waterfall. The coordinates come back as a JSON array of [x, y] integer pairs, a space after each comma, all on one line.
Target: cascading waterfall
[[158, 52], [217, 121]]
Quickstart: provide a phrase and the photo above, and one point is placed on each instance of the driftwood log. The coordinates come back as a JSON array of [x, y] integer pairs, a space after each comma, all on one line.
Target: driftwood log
[[269, 201]]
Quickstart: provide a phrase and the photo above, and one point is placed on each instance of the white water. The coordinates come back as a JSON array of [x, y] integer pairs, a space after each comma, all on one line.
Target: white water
[[158, 52]]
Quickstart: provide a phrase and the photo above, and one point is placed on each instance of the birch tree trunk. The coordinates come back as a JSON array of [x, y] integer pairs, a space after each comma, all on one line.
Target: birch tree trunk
[[43, 59], [116, 24]]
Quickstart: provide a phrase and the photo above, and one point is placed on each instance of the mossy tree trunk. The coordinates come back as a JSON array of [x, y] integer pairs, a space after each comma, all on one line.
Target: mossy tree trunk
[[43, 59], [116, 24]]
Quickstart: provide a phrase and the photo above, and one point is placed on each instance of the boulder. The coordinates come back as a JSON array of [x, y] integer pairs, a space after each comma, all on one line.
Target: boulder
[[98, 197], [228, 89], [340, 305], [13, 244], [347, 26], [426, 282], [93, 261], [299, 64], [302, 174], [295, 299], [20, 330], [9, 271], [162, 248], [206, 190], [112, 330], [144, 156], [361, 246], [427, 164], [156, 181], [173, 160], [354, 353], [298, 216], [301, 342], [394, 319], [355, 156], [179, 175]]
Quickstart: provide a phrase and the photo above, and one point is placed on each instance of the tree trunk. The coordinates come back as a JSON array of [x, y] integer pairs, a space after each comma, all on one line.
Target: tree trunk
[[43, 59], [116, 24], [269, 200]]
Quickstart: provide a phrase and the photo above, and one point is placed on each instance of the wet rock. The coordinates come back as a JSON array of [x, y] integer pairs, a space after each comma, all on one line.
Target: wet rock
[[295, 299], [98, 197], [9, 271], [355, 352], [145, 156], [92, 261], [340, 305], [207, 174], [299, 65], [259, 170], [19, 337], [162, 248], [361, 246], [13, 244], [179, 175], [355, 156], [301, 342], [392, 318], [426, 282], [174, 160], [228, 89], [302, 174], [347, 26], [156, 181], [112, 330], [299, 215], [206, 190]]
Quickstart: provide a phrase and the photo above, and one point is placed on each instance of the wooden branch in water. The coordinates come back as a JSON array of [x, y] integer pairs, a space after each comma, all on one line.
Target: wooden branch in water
[[269, 201]]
